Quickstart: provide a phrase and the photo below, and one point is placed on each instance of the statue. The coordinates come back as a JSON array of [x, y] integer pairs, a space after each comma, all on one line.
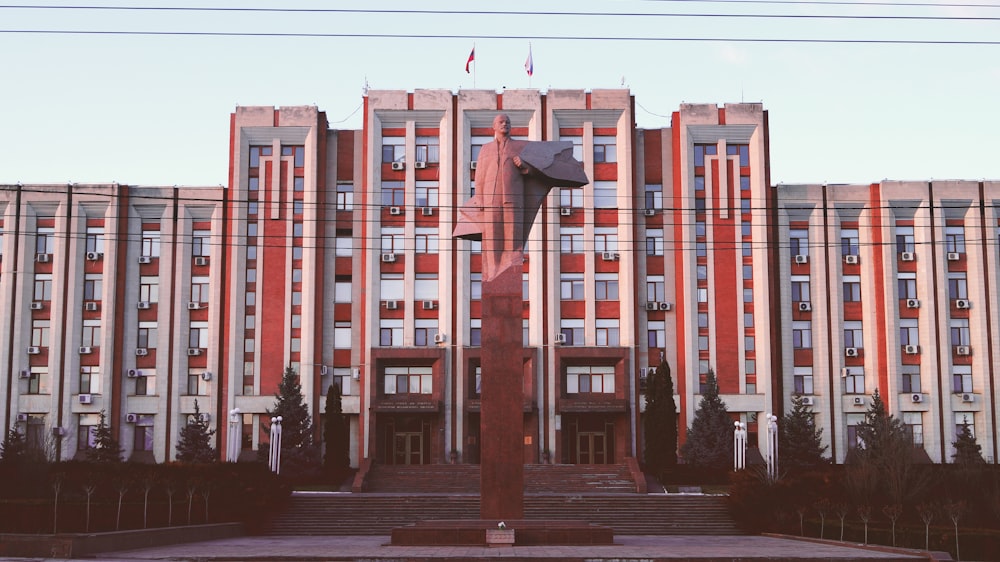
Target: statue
[[512, 179]]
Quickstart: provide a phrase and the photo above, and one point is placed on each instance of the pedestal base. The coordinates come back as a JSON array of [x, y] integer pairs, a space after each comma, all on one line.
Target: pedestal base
[[472, 532]]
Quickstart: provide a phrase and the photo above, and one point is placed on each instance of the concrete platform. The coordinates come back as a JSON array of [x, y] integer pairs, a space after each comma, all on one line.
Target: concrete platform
[[645, 548]]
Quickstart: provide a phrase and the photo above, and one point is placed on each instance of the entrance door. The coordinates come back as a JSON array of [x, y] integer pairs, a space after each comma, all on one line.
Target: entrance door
[[408, 447], [591, 447]]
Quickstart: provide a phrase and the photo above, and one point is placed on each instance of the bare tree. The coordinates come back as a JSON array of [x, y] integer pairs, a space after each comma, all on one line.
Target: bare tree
[[893, 512], [171, 489], [865, 513], [926, 512], [121, 485], [57, 483], [88, 488], [842, 510], [822, 506], [148, 481], [954, 511], [192, 487]]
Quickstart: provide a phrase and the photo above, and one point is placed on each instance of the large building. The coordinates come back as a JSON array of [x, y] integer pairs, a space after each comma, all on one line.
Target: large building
[[331, 252]]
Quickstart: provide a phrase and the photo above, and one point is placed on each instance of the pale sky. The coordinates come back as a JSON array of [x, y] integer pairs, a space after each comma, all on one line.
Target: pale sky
[[154, 109]]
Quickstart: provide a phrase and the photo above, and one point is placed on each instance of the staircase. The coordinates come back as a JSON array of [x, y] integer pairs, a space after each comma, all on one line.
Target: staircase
[[464, 479], [377, 514]]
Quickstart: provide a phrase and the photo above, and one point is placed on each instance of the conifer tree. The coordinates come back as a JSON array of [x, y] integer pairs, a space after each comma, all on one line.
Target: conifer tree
[[659, 422], [336, 457], [800, 442], [967, 451], [298, 453], [709, 441], [106, 448], [195, 443], [14, 446]]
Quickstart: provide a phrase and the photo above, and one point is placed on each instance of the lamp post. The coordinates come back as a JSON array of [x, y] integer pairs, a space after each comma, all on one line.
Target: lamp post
[[233, 438], [772, 446], [274, 458], [739, 446]]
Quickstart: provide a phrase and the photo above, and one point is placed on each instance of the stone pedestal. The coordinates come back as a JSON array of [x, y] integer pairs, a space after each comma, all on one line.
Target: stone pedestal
[[502, 410]]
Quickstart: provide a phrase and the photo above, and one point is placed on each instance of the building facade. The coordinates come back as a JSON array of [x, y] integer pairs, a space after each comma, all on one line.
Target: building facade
[[331, 252]]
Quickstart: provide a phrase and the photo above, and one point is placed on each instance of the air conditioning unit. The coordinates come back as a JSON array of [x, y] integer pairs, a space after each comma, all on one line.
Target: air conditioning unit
[[42, 258], [565, 211], [145, 259], [560, 338], [94, 256], [912, 303], [438, 338], [84, 350], [388, 258], [963, 350], [33, 350], [609, 256], [805, 306], [665, 306], [472, 165], [395, 211], [802, 258], [427, 211], [859, 400], [911, 349], [850, 352], [22, 417], [194, 306], [652, 305], [808, 401], [133, 373], [391, 305], [200, 260], [25, 374], [142, 305], [86, 398], [650, 212], [131, 418], [851, 260], [36, 305], [419, 165], [953, 256], [398, 166], [90, 306], [962, 303], [194, 351], [844, 372], [324, 370], [968, 397], [206, 376], [907, 256], [141, 352], [917, 398], [429, 305]]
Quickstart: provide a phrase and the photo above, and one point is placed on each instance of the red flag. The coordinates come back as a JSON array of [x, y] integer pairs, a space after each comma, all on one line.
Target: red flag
[[472, 57]]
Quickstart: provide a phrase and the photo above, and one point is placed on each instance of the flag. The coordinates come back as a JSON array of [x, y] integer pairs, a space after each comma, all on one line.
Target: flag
[[529, 65], [472, 57]]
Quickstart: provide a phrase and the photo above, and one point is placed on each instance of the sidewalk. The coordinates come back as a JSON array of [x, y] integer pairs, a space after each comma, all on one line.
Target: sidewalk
[[645, 548]]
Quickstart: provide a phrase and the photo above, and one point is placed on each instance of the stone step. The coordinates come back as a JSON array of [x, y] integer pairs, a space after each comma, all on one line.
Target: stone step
[[464, 478]]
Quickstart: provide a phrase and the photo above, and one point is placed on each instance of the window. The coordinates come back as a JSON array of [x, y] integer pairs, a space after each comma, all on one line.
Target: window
[[476, 144], [959, 331], [703, 320], [605, 149], [425, 287], [909, 334], [339, 377], [475, 286], [749, 344], [605, 195], [342, 335], [571, 240], [703, 343], [700, 248], [654, 242], [904, 239], [428, 149], [297, 230], [201, 243], [748, 319], [424, 331], [702, 150], [605, 239], [95, 239], [298, 206], [196, 383], [910, 380], [253, 184], [803, 380], [93, 287], [90, 379], [571, 197], [392, 240], [741, 150], [342, 290], [852, 288], [965, 419], [426, 240], [592, 379], [43, 287], [958, 287], [853, 335], [343, 247], [199, 289], [39, 333], [654, 196], [747, 249], [800, 288], [143, 433], [954, 239], [702, 295], [853, 422], [572, 331], [655, 288], [907, 285], [571, 286], [475, 332], [798, 240], [699, 228], [45, 240], [198, 336], [150, 243], [747, 295], [606, 286], [392, 193], [345, 196], [408, 380], [146, 335], [849, 244], [801, 334], [656, 334], [427, 194], [38, 380], [34, 433], [577, 145], [393, 149], [390, 332], [701, 272], [149, 289], [91, 333], [854, 382], [608, 332], [86, 433]]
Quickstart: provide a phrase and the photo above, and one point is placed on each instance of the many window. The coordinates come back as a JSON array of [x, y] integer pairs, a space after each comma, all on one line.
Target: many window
[[393, 149], [427, 194], [196, 383], [408, 380], [144, 431], [909, 334], [798, 242], [426, 240], [198, 336], [910, 380], [201, 243], [605, 195], [590, 379], [655, 288], [852, 288], [703, 150], [86, 433], [571, 286], [958, 287], [43, 287], [93, 287], [654, 242], [654, 196], [95, 239], [428, 149], [571, 240], [90, 335], [342, 335], [572, 331], [906, 285], [954, 239], [605, 239], [39, 333], [45, 240], [605, 149], [146, 384], [849, 242], [392, 193], [607, 332], [571, 197], [424, 331], [904, 239], [90, 379], [390, 332], [345, 196], [853, 335], [959, 328], [606, 286], [854, 381], [150, 245], [961, 378], [656, 334], [149, 289], [802, 334], [800, 288], [803, 380]]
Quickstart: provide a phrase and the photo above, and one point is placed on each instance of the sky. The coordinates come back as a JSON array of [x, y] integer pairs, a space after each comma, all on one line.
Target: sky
[[873, 90]]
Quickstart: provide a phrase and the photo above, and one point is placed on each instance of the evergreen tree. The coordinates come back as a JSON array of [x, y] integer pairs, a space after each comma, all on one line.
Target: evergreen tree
[[298, 453], [800, 442], [14, 447], [659, 422], [709, 441], [885, 453], [336, 459], [106, 448], [195, 443], [967, 451]]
